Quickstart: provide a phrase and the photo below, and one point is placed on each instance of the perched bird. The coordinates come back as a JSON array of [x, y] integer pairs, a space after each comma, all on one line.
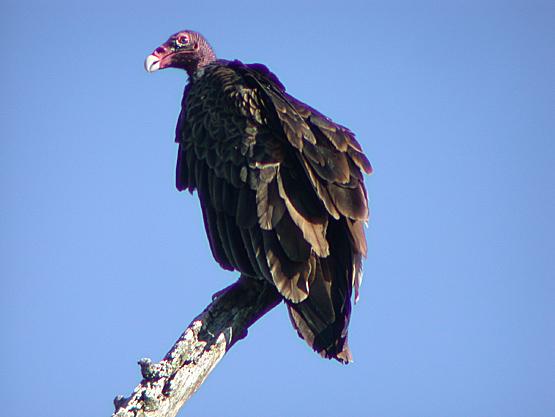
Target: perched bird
[[280, 186]]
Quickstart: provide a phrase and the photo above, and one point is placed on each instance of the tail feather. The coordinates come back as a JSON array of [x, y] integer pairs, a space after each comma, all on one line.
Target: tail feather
[[322, 319], [325, 333]]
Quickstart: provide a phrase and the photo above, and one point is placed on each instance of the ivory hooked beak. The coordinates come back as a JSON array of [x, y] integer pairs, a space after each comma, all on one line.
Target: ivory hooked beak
[[152, 63]]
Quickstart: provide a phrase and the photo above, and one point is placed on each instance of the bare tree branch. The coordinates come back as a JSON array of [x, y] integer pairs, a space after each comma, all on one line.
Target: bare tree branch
[[167, 385]]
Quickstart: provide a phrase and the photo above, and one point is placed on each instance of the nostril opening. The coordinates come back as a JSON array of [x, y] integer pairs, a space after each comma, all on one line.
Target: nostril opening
[[159, 50]]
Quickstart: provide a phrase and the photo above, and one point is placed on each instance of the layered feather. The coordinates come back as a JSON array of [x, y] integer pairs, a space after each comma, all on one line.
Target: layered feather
[[282, 194]]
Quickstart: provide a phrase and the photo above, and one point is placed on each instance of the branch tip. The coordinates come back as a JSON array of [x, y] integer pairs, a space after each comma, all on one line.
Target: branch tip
[[168, 384]]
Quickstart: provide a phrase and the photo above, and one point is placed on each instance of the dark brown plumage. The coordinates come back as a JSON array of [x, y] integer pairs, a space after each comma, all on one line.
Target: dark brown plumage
[[280, 185]]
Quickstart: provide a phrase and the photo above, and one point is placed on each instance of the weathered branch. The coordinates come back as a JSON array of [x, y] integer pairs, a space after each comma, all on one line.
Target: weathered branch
[[167, 385]]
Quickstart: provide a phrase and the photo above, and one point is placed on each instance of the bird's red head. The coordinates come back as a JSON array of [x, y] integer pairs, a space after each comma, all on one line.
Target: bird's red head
[[187, 50]]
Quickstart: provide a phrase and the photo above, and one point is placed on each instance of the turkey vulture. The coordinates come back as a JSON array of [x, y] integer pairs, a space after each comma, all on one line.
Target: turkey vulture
[[280, 186]]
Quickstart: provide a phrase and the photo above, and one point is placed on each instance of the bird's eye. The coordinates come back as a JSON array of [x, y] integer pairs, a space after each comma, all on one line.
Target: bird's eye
[[182, 40]]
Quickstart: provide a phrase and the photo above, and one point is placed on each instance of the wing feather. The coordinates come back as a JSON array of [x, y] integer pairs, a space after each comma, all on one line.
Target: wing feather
[[210, 225], [291, 278], [282, 194], [291, 240]]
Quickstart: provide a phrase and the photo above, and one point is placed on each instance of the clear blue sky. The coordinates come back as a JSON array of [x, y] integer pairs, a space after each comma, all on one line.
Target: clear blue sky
[[103, 262]]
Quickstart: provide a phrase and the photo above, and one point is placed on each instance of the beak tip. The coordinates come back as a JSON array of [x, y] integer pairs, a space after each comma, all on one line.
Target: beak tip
[[152, 63]]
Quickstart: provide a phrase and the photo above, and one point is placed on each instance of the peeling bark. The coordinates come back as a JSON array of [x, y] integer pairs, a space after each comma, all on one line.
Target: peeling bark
[[168, 384]]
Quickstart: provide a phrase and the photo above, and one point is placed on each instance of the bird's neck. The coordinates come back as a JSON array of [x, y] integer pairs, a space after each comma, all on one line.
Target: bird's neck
[[205, 57]]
